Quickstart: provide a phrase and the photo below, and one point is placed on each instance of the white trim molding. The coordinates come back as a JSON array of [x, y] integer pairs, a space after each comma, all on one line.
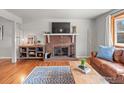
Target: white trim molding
[[5, 57]]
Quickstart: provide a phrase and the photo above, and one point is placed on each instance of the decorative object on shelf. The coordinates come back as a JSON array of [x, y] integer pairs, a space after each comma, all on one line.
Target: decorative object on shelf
[[31, 40], [23, 41], [23, 49], [38, 42], [1, 32], [74, 29], [32, 53], [47, 32], [39, 54]]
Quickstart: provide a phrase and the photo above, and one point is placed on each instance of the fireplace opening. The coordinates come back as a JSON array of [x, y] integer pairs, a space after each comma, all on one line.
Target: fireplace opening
[[61, 51]]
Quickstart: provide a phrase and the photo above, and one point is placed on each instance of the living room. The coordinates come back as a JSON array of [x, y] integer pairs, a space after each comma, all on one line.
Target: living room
[[61, 46], [61, 41]]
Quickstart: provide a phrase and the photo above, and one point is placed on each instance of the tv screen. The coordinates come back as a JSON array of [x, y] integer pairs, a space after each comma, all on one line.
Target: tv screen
[[60, 27]]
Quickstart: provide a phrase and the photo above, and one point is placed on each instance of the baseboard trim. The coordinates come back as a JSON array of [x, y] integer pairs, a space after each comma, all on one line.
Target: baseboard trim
[[5, 57]]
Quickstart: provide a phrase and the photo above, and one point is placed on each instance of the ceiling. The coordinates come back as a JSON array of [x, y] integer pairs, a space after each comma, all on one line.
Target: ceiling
[[57, 13]]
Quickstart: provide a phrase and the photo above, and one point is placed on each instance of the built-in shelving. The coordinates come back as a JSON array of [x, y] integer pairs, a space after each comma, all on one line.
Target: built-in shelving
[[31, 52]]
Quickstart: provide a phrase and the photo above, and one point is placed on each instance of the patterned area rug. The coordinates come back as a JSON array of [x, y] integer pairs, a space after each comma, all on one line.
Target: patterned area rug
[[50, 75]]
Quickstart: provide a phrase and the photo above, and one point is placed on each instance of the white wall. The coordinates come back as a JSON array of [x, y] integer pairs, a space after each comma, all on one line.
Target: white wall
[[6, 43], [91, 37], [44, 25], [100, 29]]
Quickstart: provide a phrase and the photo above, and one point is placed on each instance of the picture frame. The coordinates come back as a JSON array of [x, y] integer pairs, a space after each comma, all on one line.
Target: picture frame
[[1, 32]]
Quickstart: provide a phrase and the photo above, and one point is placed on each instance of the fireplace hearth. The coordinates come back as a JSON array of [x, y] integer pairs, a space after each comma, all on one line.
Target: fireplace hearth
[[61, 51]]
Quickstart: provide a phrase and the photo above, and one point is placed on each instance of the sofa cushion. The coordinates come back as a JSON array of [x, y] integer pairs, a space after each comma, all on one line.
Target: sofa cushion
[[114, 68], [122, 58], [117, 55], [106, 52]]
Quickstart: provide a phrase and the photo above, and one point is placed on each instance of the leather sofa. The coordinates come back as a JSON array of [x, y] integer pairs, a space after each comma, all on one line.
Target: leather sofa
[[113, 71]]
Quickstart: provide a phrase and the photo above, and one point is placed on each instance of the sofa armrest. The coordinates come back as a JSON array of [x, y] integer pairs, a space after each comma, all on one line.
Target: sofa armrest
[[93, 54]]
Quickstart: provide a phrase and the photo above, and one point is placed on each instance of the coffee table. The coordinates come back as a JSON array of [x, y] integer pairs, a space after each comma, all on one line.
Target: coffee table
[[92, 77]]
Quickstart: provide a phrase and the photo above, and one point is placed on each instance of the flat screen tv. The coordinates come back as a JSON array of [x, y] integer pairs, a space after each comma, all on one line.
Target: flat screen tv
[[60, 27]]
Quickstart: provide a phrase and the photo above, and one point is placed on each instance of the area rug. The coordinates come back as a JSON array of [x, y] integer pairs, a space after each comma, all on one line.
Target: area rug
[[50, 75]]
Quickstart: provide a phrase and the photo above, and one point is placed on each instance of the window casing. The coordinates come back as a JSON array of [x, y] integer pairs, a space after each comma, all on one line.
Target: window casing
[[119, 32], [117, 28]]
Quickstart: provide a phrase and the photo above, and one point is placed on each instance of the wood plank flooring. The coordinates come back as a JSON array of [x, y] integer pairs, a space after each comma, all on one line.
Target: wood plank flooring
[[15, 73]]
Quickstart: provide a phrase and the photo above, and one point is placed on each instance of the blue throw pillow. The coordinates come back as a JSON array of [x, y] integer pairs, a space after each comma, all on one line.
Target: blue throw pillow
[[106, 52]]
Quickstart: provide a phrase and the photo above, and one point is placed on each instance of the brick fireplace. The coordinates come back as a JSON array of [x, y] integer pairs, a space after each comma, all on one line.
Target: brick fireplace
[[61, 45]]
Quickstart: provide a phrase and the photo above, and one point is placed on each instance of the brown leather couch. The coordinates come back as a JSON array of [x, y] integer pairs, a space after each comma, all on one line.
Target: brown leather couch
[[113, 71]]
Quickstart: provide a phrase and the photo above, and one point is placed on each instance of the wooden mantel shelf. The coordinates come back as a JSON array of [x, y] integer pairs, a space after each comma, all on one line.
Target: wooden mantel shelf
[[61, 34]]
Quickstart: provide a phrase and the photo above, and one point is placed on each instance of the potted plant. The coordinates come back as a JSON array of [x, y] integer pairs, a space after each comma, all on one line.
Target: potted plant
[[83, 61], [83, 66]]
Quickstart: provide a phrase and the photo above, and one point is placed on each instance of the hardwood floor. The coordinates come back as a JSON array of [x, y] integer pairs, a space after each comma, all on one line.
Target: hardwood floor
[[15, 73]]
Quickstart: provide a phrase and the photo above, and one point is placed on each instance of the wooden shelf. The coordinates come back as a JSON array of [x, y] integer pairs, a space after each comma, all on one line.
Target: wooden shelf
[[64, 34], [61, 34], [38, 52], [23, 52], [31, 50]]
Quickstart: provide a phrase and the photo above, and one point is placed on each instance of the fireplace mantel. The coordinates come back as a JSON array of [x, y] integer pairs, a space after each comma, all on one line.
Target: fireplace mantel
[[61, 34]]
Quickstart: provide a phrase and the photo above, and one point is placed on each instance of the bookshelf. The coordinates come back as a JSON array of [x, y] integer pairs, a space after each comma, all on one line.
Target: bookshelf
[[31, 51]]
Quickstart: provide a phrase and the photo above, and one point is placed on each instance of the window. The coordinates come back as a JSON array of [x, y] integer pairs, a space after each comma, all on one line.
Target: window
[[118, 30]]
